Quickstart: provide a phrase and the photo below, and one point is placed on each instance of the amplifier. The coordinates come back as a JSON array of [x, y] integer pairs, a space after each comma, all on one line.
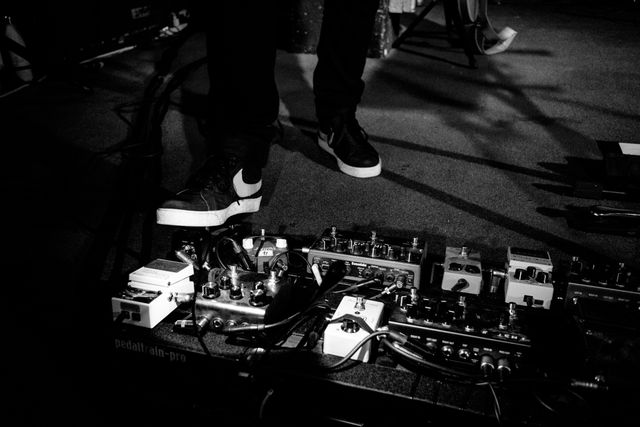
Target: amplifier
[[464, 330], [367, 256]]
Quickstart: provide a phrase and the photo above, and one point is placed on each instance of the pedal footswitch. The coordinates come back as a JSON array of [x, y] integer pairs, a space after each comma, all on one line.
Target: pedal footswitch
[[354, 319]]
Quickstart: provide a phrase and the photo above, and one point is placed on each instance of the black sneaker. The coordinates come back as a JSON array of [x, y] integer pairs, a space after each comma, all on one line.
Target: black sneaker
[[222, 188], [349, 144]]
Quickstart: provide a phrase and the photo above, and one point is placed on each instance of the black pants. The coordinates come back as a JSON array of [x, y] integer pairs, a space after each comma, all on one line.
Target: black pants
[[241, 49]]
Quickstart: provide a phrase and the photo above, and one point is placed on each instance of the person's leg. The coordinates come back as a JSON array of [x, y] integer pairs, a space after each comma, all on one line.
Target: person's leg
[[345, 38], [243, 106], [243, 96]]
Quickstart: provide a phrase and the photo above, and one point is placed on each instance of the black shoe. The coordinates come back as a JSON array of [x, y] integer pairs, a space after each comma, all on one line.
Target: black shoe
[[349, 144], [222, 188]]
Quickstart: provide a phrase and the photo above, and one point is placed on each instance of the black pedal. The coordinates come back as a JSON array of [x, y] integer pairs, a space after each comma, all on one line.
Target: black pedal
[[463, 330], [367, 256], [610, 288]]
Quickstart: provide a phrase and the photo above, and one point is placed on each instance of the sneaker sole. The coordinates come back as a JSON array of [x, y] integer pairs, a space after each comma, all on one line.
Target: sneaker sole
[[357, 172], [184, 218]]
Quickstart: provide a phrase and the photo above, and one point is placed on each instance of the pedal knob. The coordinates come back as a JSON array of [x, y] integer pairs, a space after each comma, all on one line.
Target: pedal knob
[[357, 249], [447, 350], [542, 277], [258, 298], [504, 322], [412, 311], [431, 311], [454, 266], [504, 370], [350, 326], [359, 305], [621, 276], [576, 267], [464, 353], [487, 365], [401, 301], [531, 272], [520, 274], [225, 283], [376, 251], [210, 290], [235, 292], [473, 269], [415, 297]]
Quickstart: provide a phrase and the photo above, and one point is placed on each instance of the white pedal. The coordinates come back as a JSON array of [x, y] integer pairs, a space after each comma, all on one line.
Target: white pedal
[[147, 305], [529, 280], [462, 271], [527, 291], [341, 337], [526, 258]]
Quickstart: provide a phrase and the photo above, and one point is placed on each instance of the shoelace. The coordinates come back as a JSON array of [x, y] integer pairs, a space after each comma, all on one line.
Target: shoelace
[[215, 174], [353, 128], [360, 129]]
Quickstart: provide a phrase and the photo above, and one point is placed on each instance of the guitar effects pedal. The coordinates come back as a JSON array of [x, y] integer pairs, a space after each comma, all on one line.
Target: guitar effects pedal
[[392, 260], [529, 278], [462, 271], [353, 320]]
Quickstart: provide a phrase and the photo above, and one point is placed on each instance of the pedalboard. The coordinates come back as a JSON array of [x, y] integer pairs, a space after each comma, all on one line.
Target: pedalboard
[[463, 329], [235, 298], [354, 319], [462, 271], [529, 278], [367, 256]]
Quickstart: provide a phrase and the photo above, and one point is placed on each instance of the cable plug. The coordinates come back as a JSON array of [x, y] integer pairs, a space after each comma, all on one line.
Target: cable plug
[[316, 274], [368, 282], [256, 327], [189, 327], [184, 257], [396, 336], [242, 255]]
